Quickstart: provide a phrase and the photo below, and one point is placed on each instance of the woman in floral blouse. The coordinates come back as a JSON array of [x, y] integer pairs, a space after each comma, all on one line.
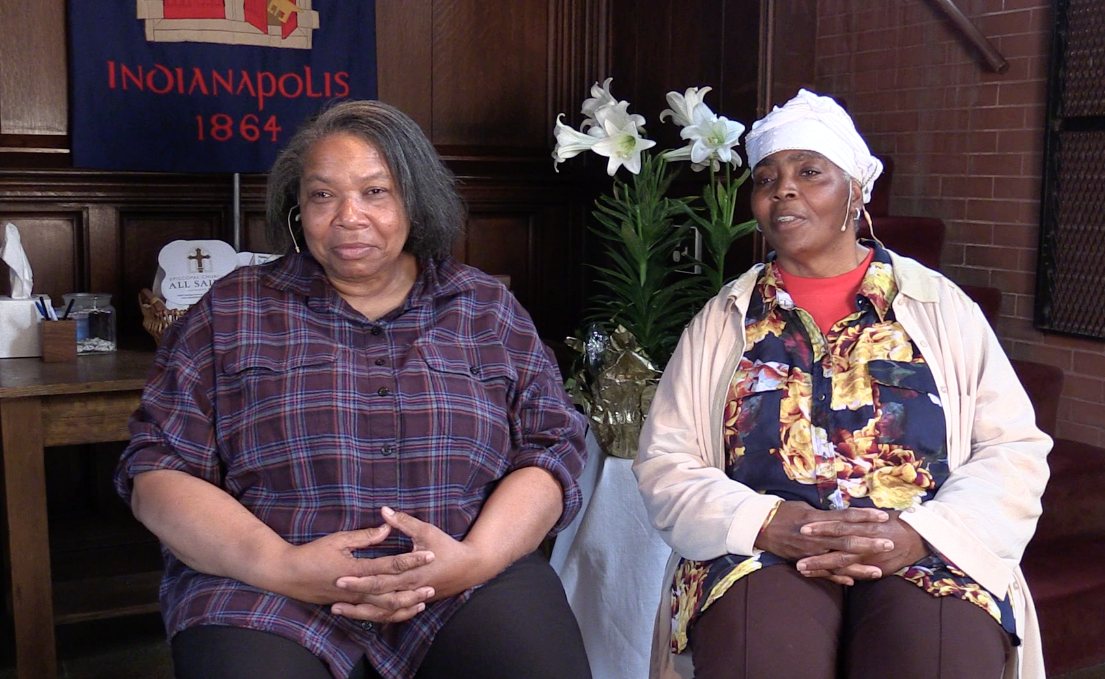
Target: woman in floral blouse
[[839, 452]]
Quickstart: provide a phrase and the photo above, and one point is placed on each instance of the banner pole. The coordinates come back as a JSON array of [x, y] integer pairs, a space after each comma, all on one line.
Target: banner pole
[[237, 203]]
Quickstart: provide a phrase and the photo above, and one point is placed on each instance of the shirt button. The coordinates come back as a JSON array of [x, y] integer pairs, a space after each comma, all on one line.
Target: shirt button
[[475, 370], [380, 361], [366, 625], [382, 391], [376, 330], [387, 451], [821, 397], [922, 343]]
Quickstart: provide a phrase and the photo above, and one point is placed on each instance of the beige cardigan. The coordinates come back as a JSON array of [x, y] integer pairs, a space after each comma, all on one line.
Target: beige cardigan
[[981, 519]]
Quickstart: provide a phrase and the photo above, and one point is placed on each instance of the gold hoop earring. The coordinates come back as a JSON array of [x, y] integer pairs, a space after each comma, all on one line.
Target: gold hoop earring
[[291, 233]]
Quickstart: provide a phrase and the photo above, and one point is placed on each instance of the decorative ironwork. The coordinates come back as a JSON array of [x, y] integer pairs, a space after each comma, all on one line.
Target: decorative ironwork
[[1084, 60], [1070, 294]]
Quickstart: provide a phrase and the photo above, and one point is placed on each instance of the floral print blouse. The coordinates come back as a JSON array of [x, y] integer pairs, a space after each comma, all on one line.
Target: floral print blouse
[[851, 418]]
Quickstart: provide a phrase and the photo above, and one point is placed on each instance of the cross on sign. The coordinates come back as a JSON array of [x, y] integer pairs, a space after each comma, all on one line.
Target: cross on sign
[[198, 257]]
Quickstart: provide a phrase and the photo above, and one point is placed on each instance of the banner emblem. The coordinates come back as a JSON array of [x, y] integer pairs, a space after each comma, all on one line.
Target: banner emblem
[[265, 23], [209, 85]]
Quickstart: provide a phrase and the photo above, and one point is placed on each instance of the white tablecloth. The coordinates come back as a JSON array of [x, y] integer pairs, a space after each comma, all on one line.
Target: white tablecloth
[[611, 562]]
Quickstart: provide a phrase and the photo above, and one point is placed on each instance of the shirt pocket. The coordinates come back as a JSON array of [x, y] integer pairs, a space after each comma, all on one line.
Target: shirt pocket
[[753, 413], [910, 413], [278, 411], [467, 410]]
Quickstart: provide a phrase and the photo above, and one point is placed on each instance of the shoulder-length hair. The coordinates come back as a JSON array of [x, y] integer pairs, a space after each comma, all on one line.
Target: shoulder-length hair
[[427, 188]]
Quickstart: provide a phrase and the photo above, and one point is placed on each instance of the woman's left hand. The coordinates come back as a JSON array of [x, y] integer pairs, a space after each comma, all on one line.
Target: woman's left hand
[[456, 567], [846, 567], [518, 514]]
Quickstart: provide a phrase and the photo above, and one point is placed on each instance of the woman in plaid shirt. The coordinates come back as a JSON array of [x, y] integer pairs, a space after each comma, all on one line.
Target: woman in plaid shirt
[[350, 454]]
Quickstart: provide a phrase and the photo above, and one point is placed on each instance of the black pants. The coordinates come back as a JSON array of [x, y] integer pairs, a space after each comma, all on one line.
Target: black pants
[[517, 626], [777, 623]]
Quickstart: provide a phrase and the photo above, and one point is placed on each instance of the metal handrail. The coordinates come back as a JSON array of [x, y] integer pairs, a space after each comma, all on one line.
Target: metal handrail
[[994, 59]]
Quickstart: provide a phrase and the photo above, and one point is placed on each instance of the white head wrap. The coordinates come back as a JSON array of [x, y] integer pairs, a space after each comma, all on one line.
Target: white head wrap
[[814, 123]]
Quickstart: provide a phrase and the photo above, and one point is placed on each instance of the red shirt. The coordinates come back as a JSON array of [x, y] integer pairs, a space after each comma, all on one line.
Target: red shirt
[[827, 299]]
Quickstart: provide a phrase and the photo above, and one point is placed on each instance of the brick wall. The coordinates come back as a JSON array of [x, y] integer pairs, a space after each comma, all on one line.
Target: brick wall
[[968, 148]]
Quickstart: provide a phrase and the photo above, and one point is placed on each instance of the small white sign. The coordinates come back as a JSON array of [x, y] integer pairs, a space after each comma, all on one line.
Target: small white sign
[[191, 267]]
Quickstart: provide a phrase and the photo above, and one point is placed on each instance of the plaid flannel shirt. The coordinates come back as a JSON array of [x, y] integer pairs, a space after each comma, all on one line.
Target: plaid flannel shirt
[[313, 417]]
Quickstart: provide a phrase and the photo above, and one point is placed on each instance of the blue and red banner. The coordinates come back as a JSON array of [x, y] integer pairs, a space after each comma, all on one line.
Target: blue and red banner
[[209, 85]]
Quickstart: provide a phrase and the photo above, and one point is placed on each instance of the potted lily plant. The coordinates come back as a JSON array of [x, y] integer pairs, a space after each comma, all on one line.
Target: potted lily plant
[[646, 295]]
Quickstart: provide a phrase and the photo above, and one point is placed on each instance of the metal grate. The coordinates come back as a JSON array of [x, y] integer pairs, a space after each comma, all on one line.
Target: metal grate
[[1084, 61], [1070, 295], [1078, 239]]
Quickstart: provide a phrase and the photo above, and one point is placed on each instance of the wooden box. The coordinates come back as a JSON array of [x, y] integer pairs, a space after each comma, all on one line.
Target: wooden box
[[59, 341]]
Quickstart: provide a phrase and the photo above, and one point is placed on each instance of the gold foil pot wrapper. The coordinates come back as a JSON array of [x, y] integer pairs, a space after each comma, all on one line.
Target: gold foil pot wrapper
[[618, 397]]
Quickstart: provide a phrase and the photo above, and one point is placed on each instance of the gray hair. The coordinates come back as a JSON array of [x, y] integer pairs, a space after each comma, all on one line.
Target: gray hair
[[427, 188]]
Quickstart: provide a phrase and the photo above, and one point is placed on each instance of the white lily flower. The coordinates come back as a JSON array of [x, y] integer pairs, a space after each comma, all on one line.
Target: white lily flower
[[712, 137], [602, 100], [684, 153], [570, 143], [619, 114], [623, 144], [683, 105], [600, 96]]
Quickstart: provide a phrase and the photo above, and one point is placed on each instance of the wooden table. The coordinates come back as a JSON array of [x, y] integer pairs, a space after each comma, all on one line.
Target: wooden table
[[52, 404]]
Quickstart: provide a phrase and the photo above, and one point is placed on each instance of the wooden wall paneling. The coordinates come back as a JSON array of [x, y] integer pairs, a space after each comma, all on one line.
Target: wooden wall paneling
[[793, 49], [559, 278], [33, 69], [501, 243], [73, 187], [624, 41], [404, 58], [648, 76], [626, 35], [103, 250], [253, 213], [253, 232], [738, 98], [579, 53], [696, 23], [142, 235], [664, 45], [490, 73], [532, 231], [52, 241], [565, 77], [119, 221]]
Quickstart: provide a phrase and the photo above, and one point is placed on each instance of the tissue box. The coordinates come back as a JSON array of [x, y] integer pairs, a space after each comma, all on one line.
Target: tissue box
[[19, 333]]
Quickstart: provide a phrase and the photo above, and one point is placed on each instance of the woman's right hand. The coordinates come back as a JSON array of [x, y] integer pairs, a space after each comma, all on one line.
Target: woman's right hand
[[213, 533], [389, 591], [783, 536]]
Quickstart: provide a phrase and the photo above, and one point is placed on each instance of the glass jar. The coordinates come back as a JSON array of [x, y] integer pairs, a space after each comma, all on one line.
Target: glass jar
[[95, 319]]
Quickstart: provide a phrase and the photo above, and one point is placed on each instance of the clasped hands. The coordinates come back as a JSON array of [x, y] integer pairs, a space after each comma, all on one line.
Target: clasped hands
[[385, 589], [842, 545]]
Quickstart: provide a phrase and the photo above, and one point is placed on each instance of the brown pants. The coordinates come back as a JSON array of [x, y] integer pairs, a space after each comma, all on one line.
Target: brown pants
[[775, 624]]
